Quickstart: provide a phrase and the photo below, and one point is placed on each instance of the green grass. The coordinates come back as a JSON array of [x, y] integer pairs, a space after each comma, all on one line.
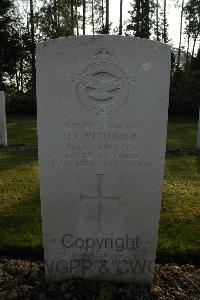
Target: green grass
[[180, 214], [182, 134], [22, 131], [20, 220]]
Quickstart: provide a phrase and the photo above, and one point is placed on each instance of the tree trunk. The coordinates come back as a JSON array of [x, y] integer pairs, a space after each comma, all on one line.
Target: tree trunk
[[194, 44], [27, 23], [165, 23], [187, 55], [146, 11], [32, 48], [107, 17], [21, 73], [72, 17], [77, 25], [93, 17], [180, 39], [16, 77], [195, 39], [84, 9], [102, 16], [157, 21], [55, 17], [138, 14], [142, 19], [121, 17], [58, 15]]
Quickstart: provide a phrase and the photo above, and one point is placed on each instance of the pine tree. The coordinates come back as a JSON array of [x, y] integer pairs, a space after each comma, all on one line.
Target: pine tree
[[141, 20], [56, 18]]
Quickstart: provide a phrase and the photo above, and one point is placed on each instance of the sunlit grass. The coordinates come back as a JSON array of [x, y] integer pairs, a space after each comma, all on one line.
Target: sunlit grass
[[20, 221], [180, 214]]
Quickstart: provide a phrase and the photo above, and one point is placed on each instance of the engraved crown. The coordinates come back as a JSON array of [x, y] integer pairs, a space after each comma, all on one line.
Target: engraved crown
[[103, 55]]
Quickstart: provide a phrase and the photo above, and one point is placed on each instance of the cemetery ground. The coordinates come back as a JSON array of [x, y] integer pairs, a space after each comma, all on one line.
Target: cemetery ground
[[177, 272]]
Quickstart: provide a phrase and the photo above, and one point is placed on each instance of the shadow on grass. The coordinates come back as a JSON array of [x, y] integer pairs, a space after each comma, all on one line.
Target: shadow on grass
[[21, 228], [178, 242]]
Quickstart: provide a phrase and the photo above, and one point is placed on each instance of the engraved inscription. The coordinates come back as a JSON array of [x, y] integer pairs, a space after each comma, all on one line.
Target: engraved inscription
[[100, 199], [100, 145]]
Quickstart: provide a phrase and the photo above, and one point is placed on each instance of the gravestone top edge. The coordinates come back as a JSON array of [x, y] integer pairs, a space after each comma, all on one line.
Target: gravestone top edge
[[103, 36]]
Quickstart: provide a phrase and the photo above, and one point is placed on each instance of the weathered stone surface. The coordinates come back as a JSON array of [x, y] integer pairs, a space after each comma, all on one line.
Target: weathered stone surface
[[3, 129], [102, 123]]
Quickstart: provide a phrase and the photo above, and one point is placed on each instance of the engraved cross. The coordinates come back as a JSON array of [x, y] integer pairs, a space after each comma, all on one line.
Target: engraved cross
[[100, 199]]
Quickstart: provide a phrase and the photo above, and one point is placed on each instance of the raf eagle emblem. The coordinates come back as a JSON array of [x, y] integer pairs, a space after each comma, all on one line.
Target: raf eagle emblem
[[103, 90], [102, 87]]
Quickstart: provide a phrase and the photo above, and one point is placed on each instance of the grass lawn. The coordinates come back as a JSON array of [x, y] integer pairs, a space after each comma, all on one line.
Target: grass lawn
[[20, 218], [22, 131], [182, 134], [180, 214]]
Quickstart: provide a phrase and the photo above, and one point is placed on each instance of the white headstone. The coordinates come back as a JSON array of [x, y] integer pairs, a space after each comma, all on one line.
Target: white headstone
[[198, 134], [102, 123], [3, 130]]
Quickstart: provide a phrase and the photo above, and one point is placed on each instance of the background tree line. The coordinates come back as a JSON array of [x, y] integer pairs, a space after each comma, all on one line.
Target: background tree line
[[22, 26]]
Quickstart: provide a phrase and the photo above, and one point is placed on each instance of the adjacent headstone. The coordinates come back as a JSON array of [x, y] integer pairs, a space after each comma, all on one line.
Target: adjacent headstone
[[198, 133], [102, 123], [3, 130]]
